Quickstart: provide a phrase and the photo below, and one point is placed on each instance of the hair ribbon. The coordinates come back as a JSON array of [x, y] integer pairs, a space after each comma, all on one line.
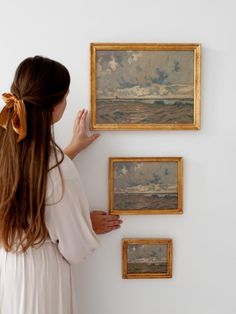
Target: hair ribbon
[[18, 118]]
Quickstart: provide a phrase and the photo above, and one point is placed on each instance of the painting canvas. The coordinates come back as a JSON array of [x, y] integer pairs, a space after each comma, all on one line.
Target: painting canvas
[[147, 258], [146, 185], [145, 86]]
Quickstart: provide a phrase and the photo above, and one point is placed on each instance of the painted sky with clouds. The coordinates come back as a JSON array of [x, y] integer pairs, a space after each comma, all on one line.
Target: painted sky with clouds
[[132, 174], [145, 74], [136, 251]]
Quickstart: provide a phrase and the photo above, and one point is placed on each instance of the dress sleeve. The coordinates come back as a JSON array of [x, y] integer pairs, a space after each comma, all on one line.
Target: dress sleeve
[[67, 214]]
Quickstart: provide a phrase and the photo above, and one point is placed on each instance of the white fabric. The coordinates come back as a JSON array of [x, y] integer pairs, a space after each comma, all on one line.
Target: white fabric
[[40, 281]]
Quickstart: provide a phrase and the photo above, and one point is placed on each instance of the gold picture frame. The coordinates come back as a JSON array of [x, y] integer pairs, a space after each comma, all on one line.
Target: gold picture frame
[[140, 86], [145, 185], [147, 258]]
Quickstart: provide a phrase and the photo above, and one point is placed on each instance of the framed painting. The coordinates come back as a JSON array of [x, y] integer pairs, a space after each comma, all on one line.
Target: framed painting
[[146, 258], [146, 185], [145, 86]]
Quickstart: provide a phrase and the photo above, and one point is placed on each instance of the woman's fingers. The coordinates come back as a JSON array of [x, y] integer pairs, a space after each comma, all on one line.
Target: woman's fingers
[[112, 228], [78, 119], [114, 223], [79, 115], [81, 127], [101, 212], [83, 119], [113, 217], [92, 138], [103, 222]]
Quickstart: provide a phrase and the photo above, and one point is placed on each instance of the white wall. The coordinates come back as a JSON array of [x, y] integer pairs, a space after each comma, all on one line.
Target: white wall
[[204, 278]]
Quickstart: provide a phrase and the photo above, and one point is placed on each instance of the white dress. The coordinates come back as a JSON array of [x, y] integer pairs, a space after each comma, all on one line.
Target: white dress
[[40, 281]]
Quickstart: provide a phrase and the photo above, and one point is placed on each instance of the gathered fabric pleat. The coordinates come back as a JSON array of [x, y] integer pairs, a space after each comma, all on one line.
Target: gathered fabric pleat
[[39, 281], [24, 289]]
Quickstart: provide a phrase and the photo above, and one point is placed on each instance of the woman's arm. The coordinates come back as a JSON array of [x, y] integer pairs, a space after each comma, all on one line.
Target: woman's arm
[[80, 139], [102, 222]]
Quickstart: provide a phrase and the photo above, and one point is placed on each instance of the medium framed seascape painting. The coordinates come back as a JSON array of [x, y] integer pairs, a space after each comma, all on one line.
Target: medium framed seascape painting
[[145, 86], [146, 185], [146, 258]]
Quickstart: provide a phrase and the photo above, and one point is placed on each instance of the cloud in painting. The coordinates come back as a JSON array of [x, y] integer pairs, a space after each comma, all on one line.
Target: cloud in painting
[[176, 66], [147, 74], [133, 56], [126, 84], [113, 64], [145, 177], [145, 252], [161, 78]]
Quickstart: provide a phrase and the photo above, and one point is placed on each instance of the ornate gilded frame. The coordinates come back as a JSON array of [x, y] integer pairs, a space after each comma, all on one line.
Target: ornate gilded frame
[[148, 275], [130, 211], [196, 48]]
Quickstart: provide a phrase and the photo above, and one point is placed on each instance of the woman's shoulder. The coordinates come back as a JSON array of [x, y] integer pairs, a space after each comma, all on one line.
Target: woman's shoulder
[[62, 178], [67, 167]]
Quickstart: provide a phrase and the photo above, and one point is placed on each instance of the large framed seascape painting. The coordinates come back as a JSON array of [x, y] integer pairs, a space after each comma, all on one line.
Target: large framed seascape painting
[[146, 185], [146, 258], [145, 86]]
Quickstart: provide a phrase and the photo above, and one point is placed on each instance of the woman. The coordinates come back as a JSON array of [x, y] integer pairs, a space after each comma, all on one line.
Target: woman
[[45, 223]]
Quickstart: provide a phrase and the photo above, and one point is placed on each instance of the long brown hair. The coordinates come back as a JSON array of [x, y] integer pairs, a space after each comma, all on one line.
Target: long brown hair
[[41, 83]]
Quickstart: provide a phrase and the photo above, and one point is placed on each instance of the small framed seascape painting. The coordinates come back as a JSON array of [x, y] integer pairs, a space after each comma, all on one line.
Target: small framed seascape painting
[[146, 185], [145, 86], [146, 258]]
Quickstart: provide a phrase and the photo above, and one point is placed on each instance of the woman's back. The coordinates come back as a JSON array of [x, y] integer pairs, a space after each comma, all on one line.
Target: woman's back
[[23, 288], [44, 215], [45, 221]]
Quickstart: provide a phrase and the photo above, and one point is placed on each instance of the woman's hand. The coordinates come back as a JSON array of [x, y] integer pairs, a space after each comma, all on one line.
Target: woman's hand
[[102, 222], [80, 139]]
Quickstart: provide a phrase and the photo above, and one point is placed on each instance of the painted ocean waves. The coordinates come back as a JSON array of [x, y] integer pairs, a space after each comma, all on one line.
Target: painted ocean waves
[[146, 201], [145, 111]]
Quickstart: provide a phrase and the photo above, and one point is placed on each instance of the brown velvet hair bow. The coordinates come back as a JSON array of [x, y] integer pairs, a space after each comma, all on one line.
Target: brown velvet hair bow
[[18, 118]]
